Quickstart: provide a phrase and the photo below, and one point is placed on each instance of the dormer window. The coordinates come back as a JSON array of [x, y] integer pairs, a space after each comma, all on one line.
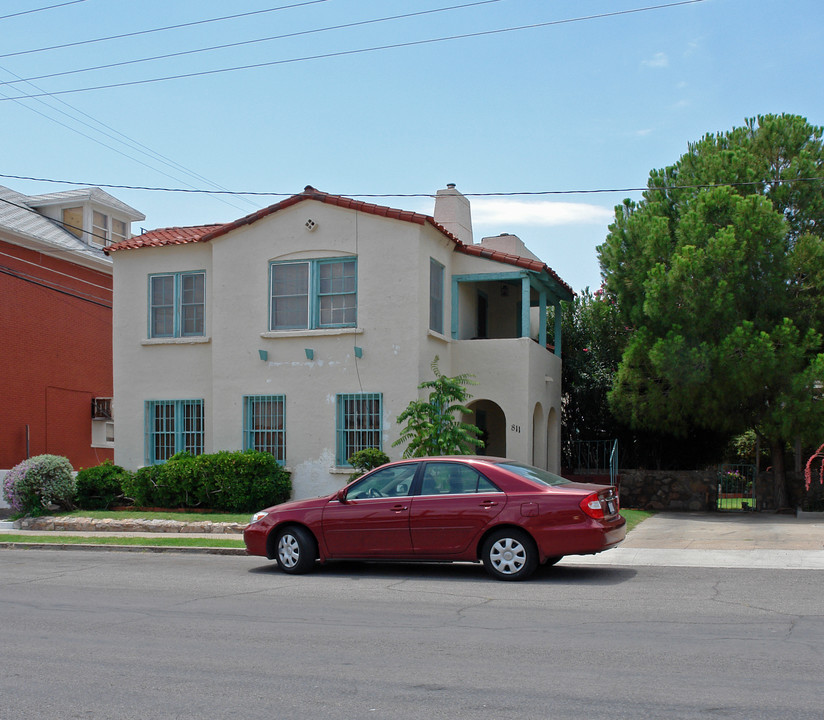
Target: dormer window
[[73, 221], [100, 228]]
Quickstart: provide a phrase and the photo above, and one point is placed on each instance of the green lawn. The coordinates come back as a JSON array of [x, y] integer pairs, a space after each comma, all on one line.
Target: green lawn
[[170, 515], [633, 517], [162, 540]]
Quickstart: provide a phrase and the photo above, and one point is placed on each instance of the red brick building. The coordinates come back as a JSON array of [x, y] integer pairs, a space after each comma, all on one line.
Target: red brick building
[[56, 324]]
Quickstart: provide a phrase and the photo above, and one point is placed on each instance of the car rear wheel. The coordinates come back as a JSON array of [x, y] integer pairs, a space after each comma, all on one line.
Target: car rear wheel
[[295, 550], [509, 554]]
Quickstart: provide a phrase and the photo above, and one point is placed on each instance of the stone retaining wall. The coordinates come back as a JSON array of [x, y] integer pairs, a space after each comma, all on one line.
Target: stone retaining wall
[[80, 524]]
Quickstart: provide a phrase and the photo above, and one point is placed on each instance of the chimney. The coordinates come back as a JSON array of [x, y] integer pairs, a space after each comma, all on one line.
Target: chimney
[[452, 212]]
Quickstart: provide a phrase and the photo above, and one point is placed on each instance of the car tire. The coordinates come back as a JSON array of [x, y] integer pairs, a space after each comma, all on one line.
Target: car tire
[[509, 554], [295, 550]]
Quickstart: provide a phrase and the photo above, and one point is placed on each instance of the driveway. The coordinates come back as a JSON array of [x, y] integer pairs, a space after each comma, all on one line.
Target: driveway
[[756, 540]]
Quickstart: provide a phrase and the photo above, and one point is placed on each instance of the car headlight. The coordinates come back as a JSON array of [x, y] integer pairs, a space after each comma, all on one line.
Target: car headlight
[[259, 516]]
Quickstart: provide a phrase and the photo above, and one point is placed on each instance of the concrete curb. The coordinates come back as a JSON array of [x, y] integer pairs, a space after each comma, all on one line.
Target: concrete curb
[[122, 548]]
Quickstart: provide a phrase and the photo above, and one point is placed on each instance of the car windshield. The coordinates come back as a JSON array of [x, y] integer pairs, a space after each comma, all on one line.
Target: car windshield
[[543, 477]]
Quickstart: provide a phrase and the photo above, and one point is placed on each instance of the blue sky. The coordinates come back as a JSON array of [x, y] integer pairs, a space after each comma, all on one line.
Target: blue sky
[[591, 98]]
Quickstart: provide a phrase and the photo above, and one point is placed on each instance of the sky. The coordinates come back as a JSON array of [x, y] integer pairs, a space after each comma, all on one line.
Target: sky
[[545, 113]]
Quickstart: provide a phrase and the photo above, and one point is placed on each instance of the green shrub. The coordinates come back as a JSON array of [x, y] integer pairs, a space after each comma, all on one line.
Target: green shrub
[[229, 481], [100, 487], [34, 484], [365, 460]]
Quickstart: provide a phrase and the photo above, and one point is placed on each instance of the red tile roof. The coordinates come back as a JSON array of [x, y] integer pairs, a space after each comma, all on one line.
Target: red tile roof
[[203, 233]]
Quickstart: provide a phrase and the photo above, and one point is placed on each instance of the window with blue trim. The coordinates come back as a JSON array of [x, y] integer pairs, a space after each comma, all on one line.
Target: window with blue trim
[[172, 426], [313, 294], [436, 272], [176, 304], [358, 424], [263, 425]]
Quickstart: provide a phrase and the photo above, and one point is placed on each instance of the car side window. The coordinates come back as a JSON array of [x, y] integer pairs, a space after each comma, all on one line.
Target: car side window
[[386, 482], [453, 479]]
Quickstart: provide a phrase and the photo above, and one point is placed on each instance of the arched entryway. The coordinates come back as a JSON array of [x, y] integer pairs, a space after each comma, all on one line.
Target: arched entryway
[[490, 418], [539, 438]]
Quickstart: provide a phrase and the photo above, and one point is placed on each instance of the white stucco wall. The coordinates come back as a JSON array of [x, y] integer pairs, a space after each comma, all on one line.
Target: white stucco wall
[[392, 331]]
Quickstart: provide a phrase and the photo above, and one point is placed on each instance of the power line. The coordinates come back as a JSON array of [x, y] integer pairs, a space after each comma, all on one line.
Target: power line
[[250, 42], [62, 289], [359, 51], [40, 9], [520, 193], [153, 30]]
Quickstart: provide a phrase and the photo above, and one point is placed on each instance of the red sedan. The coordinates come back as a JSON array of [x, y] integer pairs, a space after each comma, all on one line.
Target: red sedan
[[510, 516]]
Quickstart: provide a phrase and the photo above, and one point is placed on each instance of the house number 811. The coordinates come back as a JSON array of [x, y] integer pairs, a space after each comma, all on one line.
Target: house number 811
[[516, 428]]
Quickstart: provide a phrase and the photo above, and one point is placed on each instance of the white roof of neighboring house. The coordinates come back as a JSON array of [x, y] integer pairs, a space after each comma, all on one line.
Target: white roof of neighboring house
[[18, 216], [89, 194]]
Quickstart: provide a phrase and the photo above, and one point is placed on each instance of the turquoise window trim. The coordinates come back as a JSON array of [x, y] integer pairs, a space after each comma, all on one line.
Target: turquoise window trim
[[358, 424], [436, 303], [315, 295], [172, 426], [558, 333], [264, 429], [176, 305]]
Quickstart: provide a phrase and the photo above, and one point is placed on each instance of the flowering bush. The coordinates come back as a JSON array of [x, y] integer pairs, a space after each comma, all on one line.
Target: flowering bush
[[34, 484]]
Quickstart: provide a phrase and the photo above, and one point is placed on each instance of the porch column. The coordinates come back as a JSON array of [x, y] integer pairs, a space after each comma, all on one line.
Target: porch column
[[542, 318], [525, 288], [557, 306]]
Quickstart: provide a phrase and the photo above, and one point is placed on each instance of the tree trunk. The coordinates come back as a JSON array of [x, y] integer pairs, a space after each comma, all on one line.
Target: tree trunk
[[779, 475]]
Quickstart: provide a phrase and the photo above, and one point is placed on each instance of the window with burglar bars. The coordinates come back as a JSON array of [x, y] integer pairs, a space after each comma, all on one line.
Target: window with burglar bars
[[263, 425], [358, 424], [173, 426]]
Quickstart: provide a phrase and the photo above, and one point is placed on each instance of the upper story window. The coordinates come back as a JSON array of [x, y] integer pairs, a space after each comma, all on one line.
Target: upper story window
[[176, 304], [313, 294], [436, 273], [105, 228]]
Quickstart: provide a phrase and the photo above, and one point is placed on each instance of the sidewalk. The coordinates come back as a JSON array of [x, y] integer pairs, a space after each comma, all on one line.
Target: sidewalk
[[747, 540], [728, 540]]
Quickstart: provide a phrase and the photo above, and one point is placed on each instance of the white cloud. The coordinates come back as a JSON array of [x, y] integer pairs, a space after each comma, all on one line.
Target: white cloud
[[659, 60], [503, 212]]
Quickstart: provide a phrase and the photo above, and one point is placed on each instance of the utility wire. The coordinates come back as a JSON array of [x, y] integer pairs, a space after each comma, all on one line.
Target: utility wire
[[153, 30], [250, 42], [523, 193], [40, 9], [359, 51]]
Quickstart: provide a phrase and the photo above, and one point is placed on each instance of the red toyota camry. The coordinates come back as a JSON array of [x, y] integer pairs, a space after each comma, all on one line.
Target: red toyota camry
[[510, 516]]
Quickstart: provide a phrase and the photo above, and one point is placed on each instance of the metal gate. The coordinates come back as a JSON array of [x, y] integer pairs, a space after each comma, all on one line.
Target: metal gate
[[736, 488]]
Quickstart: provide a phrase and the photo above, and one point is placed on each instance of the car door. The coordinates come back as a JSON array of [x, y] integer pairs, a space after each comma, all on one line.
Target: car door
[[455, 504], [373, 520]]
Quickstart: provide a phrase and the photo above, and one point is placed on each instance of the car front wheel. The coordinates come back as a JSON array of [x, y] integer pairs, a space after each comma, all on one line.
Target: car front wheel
[[509, 554], [295, 550]]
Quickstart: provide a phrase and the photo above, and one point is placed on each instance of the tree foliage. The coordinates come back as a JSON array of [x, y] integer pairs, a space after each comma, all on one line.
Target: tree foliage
[[719, 271], [431, 424]]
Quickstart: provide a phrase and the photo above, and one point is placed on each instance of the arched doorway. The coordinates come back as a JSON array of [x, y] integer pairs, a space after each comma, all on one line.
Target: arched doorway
[[553, 442], [539, 438], [490, 418]]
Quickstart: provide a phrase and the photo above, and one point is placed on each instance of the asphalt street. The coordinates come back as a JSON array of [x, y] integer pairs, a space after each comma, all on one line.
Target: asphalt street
[[98, 635]]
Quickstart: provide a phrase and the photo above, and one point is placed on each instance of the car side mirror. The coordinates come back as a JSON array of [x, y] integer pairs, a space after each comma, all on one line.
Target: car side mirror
[[341, 495]]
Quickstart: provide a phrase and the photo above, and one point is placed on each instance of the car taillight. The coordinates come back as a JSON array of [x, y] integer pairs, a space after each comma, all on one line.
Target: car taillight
[[592, 506]]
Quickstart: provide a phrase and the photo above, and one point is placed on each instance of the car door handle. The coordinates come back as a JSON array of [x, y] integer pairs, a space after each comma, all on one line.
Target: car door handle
[[488, 503], [399, 508]]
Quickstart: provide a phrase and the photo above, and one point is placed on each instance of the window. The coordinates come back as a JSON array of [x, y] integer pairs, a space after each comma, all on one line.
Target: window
[[435, 296], [100, 228], [453, 479], [313, 294], [173, 426], [73, 221], [119, 231], [358, 424], [263, 427], [176, 304], [387, 482]]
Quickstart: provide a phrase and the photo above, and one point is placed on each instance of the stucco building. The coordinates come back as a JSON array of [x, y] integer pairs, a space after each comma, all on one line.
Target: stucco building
[[56, 323], [305, 328]]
